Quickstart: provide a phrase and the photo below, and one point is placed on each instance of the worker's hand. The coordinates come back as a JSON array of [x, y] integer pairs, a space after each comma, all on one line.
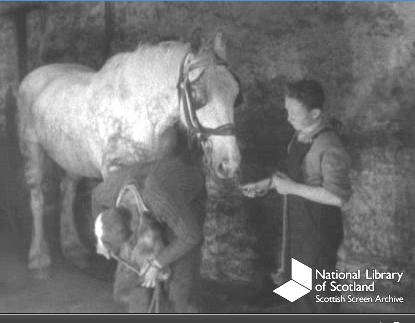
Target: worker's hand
[[283, 184], [151, 271], [256, 189]]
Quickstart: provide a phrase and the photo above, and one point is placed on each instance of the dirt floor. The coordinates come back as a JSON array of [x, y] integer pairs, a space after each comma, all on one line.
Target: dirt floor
[[69, 290]]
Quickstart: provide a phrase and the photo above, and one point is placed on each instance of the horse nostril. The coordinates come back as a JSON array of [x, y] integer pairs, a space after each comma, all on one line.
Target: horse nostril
[[223, 169], [220, 168]]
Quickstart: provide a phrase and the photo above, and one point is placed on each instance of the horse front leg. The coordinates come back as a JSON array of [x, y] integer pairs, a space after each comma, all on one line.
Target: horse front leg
[[72, 247]]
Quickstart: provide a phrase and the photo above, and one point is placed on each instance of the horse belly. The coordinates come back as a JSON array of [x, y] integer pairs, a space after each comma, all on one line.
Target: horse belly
[[71, 150], [71, 157], [62, 126]]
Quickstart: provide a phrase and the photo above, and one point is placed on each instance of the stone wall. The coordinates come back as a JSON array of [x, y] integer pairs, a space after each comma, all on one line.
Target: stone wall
[[363, 53], [8, 65]]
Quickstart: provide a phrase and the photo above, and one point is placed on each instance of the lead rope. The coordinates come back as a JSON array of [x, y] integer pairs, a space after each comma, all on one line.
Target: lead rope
[[280, 276], [154, 306]]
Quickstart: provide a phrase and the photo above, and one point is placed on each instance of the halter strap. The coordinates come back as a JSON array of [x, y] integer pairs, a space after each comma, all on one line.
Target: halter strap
[[192, 122]]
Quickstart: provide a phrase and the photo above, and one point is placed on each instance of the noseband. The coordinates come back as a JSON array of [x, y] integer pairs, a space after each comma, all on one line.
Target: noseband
[[192, 122]]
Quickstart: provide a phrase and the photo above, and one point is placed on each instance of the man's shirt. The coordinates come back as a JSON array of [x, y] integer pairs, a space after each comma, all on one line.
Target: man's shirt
[[327, 163]]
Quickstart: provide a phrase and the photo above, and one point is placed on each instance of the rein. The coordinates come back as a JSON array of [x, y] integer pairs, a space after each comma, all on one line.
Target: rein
[[192, 121]]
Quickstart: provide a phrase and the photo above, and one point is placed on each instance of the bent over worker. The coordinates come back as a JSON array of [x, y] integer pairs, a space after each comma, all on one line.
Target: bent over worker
[[173, 191]]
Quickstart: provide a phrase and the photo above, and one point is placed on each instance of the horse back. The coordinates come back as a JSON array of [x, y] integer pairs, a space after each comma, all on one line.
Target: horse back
[[37, 80]]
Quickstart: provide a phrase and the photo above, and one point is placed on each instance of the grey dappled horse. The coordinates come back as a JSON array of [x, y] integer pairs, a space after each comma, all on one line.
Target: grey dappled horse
[[92, 122]]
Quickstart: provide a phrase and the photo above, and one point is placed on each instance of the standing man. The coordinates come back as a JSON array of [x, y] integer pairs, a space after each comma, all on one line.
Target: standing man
[[316, 185]]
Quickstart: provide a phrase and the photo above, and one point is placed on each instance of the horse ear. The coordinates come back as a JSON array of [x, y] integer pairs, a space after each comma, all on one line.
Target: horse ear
[[219, 46], [196, 40]]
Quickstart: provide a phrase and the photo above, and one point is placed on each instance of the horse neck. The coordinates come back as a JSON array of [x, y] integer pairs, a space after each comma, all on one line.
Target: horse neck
[[156, 70], [142, 86]]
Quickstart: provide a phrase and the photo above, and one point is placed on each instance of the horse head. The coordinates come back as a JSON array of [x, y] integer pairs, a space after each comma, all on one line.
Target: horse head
[[208, 93]]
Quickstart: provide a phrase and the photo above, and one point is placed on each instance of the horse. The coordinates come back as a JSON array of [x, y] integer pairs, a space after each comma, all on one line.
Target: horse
[[93, 122]]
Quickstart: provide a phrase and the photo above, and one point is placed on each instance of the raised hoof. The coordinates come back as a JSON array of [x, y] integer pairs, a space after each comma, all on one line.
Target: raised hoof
[[41, 273]]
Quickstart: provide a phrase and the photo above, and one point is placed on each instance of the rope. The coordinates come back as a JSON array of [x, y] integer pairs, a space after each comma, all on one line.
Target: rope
[[137, 197], [284, 244], [154, 306], [280, 276], [125, 263]]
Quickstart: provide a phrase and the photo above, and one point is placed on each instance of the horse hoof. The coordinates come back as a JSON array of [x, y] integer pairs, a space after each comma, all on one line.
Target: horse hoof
[[41, 274], [39, 261]]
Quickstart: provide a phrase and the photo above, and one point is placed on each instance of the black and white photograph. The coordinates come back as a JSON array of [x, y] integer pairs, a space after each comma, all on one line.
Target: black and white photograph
[[207, 157]]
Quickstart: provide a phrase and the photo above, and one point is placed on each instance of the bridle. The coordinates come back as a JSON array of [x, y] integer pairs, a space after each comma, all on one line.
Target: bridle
[[194, 127]]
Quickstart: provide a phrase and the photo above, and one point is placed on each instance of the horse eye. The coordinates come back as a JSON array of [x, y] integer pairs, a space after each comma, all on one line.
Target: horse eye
[[199, 98], [194, 93]]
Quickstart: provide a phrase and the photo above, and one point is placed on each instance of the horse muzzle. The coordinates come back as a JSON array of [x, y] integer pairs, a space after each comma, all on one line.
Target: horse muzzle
[[227, 169]]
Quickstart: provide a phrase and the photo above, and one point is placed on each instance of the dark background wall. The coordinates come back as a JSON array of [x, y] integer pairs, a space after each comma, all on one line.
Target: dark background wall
[[362, 52]]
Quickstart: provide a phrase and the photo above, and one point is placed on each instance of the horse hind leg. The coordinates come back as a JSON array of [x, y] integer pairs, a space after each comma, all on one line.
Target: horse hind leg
[[72, 247], [39, 256]]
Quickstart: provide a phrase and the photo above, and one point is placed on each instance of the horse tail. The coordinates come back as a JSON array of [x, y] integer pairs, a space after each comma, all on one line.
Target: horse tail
[[30, 149], [11, 128], [22, 118], [29, 89]]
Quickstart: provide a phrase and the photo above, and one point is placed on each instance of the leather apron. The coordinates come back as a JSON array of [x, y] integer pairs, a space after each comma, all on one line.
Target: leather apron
[[315, 230]]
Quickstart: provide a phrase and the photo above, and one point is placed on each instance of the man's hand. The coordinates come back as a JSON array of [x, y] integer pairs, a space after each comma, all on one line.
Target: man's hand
[[283, 184], [256, 189], [151, 271]]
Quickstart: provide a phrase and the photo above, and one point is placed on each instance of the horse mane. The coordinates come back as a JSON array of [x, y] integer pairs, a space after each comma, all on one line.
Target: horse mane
[[147, 59]]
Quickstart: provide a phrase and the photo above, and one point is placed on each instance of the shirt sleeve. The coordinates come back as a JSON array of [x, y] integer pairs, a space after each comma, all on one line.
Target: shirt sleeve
[[335, 165], [164, 196]]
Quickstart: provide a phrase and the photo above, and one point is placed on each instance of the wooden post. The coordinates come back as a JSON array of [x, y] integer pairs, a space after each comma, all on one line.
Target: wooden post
[[21, 35], [18, 14], [109, 27]]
